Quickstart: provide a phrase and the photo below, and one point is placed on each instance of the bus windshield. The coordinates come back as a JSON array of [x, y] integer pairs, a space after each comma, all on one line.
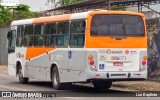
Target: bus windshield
[[117, 25]]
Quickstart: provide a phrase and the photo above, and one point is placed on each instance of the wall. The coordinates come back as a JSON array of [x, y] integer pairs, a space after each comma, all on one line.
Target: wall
[[3, 45]]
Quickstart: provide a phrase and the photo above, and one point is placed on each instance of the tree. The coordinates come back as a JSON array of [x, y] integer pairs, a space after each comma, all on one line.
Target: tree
[[5, 15], [57, 3], [23, 12]]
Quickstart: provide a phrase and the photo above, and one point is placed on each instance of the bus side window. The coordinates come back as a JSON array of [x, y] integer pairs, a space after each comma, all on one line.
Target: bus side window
[[28, 36], [50, 34], [63, 34], [20, 34], [38, 34], [77, 37]]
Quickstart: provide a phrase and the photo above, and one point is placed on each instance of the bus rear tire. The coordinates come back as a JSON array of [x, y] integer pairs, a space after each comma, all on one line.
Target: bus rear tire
[[23, 80], [102, 84], [55, 80]]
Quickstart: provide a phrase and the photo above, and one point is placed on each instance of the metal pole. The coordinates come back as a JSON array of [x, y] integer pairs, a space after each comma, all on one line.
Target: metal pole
[[141, 8], [109, 5], [138, 7]]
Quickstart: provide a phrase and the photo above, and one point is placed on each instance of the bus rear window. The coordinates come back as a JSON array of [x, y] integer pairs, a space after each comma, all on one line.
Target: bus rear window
[[117, 25]]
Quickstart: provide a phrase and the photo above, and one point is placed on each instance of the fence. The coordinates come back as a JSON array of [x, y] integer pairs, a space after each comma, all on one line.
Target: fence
[[3, 45]]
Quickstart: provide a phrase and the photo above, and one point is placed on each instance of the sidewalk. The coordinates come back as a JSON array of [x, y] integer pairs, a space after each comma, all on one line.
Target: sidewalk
[[3, 69], [146, 85]]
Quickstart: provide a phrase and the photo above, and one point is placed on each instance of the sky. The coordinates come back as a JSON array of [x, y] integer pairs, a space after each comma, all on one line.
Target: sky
[[36, 5], [40, 5]]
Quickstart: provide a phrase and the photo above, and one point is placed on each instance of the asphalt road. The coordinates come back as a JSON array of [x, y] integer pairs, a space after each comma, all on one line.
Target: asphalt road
[[76, 92]]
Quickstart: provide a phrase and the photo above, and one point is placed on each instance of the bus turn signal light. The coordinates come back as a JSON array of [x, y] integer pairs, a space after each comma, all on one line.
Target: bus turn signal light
[[90, 57], [145, 58]]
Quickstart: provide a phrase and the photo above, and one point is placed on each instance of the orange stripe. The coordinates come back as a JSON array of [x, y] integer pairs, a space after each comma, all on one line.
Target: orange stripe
[[34, 52], [107, 42], [52, 19]]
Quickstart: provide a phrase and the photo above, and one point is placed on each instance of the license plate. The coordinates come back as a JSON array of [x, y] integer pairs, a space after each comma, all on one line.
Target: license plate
[[117, 63]]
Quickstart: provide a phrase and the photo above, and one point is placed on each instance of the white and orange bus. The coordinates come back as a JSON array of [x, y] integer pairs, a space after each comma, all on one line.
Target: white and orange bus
[[97, 46]]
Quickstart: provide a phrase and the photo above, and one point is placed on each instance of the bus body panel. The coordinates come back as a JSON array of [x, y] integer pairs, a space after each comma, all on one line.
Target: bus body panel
[[12, 64], [39, 67]]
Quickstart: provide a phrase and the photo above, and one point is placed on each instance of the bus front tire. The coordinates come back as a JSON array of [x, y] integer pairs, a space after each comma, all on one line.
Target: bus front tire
[[55, 79], [22, 79], [102, 84]]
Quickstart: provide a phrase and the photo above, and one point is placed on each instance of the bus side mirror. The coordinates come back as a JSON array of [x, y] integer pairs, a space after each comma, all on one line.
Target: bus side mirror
[[9, 34]]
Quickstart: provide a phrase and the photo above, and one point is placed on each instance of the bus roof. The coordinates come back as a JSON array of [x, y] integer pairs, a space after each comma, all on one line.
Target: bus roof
[[74, 16], [64, 17], [22, 22]]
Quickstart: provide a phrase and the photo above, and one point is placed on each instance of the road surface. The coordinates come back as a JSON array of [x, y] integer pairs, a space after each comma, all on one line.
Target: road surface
[[76, 92]]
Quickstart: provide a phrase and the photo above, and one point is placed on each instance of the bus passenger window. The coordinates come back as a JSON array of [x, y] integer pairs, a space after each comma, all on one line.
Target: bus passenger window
[[24, 41], [20, 33], [53, 41], [50, 28], [77, 34], [38, 30], [38, 40], [28, 30], [30, 41], [60, 41], [63, 34], [38, 35], [28, 36], [50, 34]]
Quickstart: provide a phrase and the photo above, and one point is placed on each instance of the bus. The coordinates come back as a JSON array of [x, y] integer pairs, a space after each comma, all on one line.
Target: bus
[[97, 46]]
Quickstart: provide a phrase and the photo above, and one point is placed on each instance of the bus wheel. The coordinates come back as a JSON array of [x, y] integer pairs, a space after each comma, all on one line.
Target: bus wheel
[[102, 84], [22, 79], [108, 84], [55, 79]]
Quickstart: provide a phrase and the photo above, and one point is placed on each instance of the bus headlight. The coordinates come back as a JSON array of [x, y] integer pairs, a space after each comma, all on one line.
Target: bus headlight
[[145, 58]]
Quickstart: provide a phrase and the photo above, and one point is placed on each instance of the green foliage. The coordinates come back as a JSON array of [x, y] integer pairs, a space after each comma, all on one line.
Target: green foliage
[[22, 7], [63, 2], [21, 12], [5, 15], [68, 2], [37, 14]]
